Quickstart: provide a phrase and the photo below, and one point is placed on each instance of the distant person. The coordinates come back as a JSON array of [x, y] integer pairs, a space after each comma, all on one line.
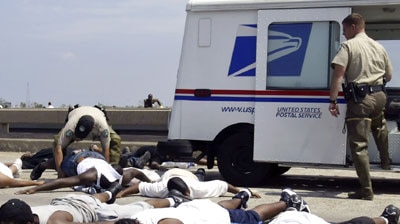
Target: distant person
[[87, 122], [49, 105], [150, 101]]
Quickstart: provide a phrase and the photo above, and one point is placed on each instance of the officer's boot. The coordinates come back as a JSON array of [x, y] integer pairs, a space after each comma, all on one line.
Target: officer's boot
[[380, 133], [358, 133]]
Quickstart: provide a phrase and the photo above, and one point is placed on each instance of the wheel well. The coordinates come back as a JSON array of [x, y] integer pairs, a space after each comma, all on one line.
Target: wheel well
[[239, 127], [226, 132]]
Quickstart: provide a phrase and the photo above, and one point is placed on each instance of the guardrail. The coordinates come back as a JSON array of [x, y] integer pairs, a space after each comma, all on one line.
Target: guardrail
[[36, 123]]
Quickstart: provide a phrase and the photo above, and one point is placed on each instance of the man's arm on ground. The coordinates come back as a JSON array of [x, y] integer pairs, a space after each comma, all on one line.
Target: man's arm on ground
[[52, 185], [6, 181], [58, 158], [134, 189], [234, 190], [129, 174]]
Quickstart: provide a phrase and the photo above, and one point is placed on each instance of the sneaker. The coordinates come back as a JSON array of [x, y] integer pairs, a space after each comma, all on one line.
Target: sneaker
[[123, 161], [296, 202], [391, 213], [125, 150], [304, 207], [115, 188], [285, 195], [243, 195], [17, 163], [200, 174], [36, 172], [178, 197], [85, 189], [141, 161], [361, 195]]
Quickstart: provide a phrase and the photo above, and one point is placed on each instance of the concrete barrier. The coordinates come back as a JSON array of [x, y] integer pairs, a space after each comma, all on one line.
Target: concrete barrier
[[124, 119], [34, 122]]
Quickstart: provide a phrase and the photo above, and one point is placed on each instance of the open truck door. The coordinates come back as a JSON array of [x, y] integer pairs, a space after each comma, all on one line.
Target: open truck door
[[292, 121]]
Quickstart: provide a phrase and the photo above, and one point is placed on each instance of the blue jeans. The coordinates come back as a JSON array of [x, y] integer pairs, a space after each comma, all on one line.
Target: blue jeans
[[69, 164], [244, 216]]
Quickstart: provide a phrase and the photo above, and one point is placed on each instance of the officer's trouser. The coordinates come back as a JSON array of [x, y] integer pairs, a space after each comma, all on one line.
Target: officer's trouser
[[380, 133], [358, 135], [115, 147]]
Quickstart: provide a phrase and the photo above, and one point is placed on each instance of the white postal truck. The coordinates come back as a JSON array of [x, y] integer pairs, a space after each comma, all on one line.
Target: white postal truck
[[253, 84]]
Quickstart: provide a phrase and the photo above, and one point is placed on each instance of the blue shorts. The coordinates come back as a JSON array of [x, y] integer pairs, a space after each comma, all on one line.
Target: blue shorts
[[359, 220], [69, 163], [244, 216]]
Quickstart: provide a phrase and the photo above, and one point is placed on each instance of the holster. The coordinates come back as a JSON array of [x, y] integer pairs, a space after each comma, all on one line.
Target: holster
[[352, 92]]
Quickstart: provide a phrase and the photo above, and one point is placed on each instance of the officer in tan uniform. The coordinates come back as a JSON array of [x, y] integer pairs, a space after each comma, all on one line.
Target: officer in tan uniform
[[87, 122], [365, 66]]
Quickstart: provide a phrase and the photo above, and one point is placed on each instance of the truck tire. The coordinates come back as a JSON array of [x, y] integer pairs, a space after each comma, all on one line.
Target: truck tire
[[175, 148], [235, 161], [278, 171]]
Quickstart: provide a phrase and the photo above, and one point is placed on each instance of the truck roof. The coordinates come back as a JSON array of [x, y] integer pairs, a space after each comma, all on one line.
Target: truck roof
[[211, 5]]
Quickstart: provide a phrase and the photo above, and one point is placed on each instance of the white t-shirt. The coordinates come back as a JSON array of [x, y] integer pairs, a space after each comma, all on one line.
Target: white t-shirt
[[102, 167], [5, 170], [81, 207], [151, 174], [198, 211], [198, 189], [296, 217], [86, 208]]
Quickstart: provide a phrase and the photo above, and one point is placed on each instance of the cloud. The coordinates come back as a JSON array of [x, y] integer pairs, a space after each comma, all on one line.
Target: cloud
[[67, 56]]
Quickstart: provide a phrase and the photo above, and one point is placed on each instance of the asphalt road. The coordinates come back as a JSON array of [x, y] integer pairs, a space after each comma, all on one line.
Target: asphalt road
[[325, 190]]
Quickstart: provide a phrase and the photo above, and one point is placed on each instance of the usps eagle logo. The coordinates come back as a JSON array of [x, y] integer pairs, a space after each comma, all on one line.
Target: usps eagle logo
[[287, 44]]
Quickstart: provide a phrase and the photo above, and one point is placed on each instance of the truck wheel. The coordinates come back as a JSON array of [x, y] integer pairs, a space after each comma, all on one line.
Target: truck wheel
[[278, 170], [175, 148], [235, 161]]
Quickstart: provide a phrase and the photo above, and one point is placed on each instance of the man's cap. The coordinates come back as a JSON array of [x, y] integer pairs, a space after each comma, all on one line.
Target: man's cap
[[16, 211], [84, 126]]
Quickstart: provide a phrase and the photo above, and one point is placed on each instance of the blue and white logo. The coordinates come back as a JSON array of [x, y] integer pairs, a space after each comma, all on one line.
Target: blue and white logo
[[287, 45]]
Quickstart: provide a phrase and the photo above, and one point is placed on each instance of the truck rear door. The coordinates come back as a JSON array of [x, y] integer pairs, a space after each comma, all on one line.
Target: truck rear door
[[292, 121]]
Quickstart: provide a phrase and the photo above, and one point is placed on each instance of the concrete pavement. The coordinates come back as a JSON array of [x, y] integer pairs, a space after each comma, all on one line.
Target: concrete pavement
[[325, 190]]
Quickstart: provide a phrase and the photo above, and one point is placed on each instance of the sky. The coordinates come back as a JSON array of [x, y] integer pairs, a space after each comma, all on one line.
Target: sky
[[90, 52]]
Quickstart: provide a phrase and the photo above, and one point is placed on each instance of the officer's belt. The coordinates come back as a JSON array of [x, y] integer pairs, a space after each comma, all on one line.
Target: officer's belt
[[375, 88]]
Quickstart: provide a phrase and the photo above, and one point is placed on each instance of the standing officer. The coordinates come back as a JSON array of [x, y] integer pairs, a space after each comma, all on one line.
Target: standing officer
[[365, 66], [87, 122]]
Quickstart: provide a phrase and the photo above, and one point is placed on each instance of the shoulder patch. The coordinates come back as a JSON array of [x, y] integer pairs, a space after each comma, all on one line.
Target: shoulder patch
[[104, 133], [69, 133]]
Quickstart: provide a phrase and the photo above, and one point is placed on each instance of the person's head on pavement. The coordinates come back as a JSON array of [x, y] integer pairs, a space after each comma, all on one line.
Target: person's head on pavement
[[16, 211], [178, 184]]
